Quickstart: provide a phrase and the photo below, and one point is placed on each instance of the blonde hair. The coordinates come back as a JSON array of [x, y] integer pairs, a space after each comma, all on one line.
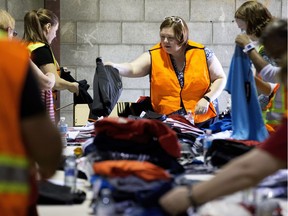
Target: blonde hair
[[6, 20]]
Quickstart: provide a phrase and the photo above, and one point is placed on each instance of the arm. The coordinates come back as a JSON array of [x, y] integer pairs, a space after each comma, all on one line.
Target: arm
[[217, 77], [46, 81], [60, 84], [138, 68], [43, 143], [218, 82], [239, 174], [40, 136], [43, 58], [262, 86]]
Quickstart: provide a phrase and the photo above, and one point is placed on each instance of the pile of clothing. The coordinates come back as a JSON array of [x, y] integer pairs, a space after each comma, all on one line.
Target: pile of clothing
[[138, 158]]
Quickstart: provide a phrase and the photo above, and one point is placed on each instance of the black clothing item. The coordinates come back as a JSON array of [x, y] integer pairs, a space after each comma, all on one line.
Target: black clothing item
[[107, 88], [42, 56], [31, 102], [83, 97]]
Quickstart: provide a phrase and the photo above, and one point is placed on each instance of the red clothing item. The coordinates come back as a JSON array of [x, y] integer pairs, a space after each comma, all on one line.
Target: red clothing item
[[276, 144], [140, 131]]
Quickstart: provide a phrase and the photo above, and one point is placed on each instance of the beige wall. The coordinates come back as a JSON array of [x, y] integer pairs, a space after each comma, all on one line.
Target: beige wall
[[121, 30]]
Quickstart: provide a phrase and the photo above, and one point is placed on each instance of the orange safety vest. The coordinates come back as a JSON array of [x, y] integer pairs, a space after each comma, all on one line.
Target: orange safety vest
[[14, 165], [166, 93], [277, 106]]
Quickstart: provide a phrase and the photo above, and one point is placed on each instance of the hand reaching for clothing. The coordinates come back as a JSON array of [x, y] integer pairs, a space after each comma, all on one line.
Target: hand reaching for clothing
[[201, 106]]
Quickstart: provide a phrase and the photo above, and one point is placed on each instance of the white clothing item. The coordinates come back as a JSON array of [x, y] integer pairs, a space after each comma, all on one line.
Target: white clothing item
[[269, 73], [223, 208]]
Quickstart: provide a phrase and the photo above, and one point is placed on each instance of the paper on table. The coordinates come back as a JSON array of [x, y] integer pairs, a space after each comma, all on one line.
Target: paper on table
[[72, 134], [86, 128]]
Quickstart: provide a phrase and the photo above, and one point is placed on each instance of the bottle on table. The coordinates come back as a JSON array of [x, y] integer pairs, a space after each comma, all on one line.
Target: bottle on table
[[70, 172], [207, 142], [63, 128], [105, 204]]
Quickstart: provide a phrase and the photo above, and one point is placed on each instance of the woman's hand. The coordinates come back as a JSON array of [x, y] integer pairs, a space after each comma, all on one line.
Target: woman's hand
[[242, 40], [202, 106], [74, 88]]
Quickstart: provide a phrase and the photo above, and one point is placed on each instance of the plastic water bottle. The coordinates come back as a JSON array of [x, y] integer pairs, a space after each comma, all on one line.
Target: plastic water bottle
[[190, 117], [63, 128], [70, 172], [105, 205], [207, 142]]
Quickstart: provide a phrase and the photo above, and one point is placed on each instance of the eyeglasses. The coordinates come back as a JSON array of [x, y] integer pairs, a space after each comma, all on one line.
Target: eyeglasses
[[169, 38], [175, 19], [15, 33]]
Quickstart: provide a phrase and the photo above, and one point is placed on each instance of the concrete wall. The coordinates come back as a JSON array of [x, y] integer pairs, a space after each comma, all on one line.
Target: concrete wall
[[121, 30]]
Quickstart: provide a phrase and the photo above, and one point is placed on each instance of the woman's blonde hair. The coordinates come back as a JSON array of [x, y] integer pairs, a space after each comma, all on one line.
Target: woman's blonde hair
[[6, 20]]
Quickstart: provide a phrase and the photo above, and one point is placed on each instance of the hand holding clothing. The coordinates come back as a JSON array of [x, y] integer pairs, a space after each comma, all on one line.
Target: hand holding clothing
[[201, 106], [74, 88], [242, 40]]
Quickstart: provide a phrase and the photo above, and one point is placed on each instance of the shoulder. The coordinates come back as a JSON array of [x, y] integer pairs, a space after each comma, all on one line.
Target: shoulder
[[264, 55], [155, 47], [209, 53]]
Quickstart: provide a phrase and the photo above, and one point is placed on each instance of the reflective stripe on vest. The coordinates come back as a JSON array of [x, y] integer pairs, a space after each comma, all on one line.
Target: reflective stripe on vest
[[13, 174], [275, 119], [277, 110], [14, 165]]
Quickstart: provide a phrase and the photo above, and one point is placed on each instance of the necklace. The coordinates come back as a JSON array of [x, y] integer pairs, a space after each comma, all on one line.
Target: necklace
[[175, 65], [179, 73]]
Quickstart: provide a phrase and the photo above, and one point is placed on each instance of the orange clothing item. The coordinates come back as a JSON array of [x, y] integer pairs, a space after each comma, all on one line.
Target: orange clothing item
[[14, 183], [165, 90], [122, 168]]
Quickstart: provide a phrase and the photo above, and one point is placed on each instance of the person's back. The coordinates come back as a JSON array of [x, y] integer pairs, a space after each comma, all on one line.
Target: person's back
[[13, 155], [23, 134]]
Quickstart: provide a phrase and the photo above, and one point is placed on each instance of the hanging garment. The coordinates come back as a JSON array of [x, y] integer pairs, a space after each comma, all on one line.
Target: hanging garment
[[107, 88], [247, 121]]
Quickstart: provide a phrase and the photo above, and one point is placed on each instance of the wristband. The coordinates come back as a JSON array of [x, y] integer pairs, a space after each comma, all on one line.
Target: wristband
[[207, 98], [248, 48]]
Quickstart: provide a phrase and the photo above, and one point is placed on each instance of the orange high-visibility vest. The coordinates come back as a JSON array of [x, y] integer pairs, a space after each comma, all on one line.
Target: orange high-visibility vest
[[277, 106], [14, 165], [165, 91]]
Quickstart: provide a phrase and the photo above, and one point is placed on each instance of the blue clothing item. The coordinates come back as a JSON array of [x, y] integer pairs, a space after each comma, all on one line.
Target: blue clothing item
[[247, 121], [222, 124]]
